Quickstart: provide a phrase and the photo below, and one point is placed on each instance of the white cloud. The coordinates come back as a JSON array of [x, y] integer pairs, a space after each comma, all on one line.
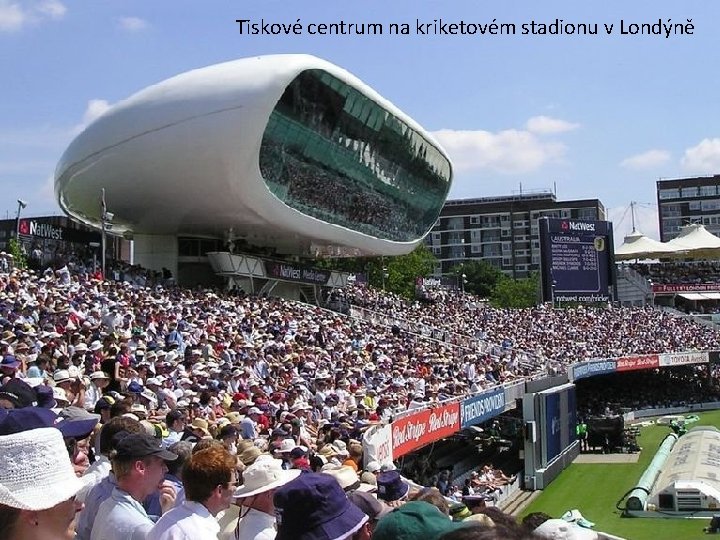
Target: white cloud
[[545, 125], [52, 9], [132, 24], [510, 151], [94, 109], [646, 160], [703, 158], [14, 16]]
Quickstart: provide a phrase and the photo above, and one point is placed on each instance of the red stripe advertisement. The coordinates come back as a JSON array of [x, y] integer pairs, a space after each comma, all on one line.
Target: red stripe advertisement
[[633, 363], [425, 426]]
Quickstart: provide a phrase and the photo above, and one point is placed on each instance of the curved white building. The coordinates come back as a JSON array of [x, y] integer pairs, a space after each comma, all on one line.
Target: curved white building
[[285, 151]]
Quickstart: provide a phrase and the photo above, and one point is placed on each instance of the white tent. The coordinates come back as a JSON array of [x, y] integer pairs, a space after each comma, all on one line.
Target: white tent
[[696, 241], [639, 246]]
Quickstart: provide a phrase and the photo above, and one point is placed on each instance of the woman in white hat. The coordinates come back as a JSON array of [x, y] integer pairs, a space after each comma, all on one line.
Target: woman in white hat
[[99, 380], [255, 496], [37, 486]]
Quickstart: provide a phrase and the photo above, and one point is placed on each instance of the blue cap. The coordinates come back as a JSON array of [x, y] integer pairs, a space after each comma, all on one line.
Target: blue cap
[[27, 418], [135, 388], [9, 361]]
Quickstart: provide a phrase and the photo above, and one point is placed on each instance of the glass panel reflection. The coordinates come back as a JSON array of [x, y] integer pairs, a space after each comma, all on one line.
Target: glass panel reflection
[[332, 153]]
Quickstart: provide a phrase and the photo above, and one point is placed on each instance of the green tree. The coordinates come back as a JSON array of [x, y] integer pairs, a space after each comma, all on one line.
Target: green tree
[[403, 270], [397, 273], [480, 277], [516, 293], [19, 257]]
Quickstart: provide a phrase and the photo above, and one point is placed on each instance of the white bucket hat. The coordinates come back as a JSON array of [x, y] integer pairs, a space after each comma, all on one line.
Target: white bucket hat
[[340, 448], [264, 474], [286, 446], [348, 479], [36, 472]]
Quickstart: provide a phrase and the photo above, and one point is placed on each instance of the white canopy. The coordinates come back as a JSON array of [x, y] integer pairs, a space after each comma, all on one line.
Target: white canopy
[[639, 246], [693, 242], [697, 241]]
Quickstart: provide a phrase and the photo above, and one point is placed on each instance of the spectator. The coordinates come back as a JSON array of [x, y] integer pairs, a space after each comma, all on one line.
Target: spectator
[[314, 507], [37, 486], [139, 467], [414, 520], [209, 482], [260, 482]]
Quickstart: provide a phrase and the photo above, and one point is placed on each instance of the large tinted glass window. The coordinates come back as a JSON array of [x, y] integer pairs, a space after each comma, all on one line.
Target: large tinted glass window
[[332, 153]]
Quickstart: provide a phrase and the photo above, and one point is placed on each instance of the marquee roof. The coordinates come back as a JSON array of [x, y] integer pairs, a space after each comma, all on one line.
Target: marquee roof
[[639, 246], [694, 242]]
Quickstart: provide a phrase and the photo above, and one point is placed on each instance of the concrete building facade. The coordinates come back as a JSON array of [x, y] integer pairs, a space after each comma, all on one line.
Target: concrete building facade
[[501, 230], [682, 201]]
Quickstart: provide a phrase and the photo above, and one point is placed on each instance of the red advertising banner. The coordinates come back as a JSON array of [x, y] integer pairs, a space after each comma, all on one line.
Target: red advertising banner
[[423, 427], [685, 287], [682, 359], [633, 363]]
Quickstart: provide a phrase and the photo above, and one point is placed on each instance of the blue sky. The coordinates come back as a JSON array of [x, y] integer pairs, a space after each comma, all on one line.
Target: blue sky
[[594, 116]]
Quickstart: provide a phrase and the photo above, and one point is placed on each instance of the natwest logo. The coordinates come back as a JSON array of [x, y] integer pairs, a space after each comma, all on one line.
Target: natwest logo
[[580, 226], [24, 226], [44, 230]]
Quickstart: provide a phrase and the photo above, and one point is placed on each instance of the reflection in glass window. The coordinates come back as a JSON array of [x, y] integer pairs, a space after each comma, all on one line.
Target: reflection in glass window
[[332, 153]]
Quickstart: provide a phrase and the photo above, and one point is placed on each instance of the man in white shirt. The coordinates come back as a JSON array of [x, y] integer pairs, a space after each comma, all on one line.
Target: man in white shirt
[[209, 479], [175, 420], [248, 425], [139, 467], [256, 497], [98, 381]]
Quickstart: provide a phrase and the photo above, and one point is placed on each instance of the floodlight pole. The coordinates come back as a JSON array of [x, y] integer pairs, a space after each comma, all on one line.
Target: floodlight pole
[[103, 215], [21, 204]]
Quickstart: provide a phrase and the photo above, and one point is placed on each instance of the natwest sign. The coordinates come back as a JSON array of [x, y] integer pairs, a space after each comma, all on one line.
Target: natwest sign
[[293, 272], [423, 427], [577, 226], [30, 227]]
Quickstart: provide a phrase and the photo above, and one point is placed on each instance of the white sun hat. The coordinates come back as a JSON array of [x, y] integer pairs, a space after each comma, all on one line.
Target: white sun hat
[[286, 446], [348, 479], [263, 475], [36, 472]]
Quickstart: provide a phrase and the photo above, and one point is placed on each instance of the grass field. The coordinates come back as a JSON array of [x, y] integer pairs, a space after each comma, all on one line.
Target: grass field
[[594, 489]]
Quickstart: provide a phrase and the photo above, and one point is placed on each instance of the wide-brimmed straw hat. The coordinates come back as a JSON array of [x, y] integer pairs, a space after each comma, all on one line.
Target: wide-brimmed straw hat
[[348, 479], [36, 472], [264, 474]]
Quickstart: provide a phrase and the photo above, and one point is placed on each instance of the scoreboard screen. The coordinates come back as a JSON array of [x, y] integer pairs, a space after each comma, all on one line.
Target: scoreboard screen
[[577, 260]]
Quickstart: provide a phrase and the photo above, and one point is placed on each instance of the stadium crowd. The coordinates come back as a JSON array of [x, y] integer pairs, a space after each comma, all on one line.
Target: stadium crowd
[[615, 394], [342, 198], [175, 403], [542, 334], [695, 272]]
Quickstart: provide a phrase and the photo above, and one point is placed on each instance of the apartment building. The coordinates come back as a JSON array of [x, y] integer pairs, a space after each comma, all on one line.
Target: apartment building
[[682, 201], [501, 230]]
